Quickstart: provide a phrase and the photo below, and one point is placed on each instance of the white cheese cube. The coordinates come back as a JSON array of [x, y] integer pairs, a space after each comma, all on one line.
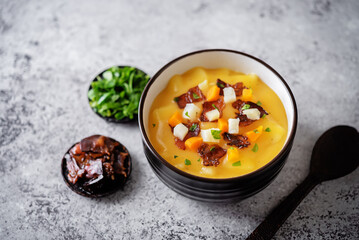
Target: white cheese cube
[[203, 85], [207, 135], [212, 115], [252, 113], [233, 125], [180, 131], [191, 112], [229, 95]]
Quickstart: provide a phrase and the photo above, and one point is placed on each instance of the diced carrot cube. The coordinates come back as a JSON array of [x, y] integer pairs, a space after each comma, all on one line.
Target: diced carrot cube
[[175, 119], [223, 125], [254, 134], [213, 93], [193, 143], [233, 154], [247, 94]]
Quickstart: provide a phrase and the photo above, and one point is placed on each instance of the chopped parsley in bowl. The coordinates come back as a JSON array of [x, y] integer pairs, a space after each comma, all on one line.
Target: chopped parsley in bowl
[[115, 93]]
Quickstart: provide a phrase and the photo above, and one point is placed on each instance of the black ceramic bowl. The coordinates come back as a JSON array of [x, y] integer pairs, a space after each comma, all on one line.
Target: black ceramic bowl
[[104, 187], [113, 119], [210, 189]]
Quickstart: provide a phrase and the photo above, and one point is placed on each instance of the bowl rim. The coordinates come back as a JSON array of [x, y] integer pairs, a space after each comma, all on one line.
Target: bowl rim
[[244, 177]]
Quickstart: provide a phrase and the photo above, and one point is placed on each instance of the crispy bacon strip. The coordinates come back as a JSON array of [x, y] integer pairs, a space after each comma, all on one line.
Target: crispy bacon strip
[[211, 154], [194, 133], [239, 141], [238, 87], [243, 120], [209, 106], [192, 95]]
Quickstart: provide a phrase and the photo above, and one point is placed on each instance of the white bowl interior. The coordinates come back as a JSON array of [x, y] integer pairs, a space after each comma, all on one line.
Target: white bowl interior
[[221, 59]]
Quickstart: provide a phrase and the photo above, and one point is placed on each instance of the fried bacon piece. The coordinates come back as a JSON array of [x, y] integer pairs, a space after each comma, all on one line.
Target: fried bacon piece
[[193, 95], [193, 131], [238, 87], [209, 106], [239, 141], [243, 120], [211, 154], [94, 158]]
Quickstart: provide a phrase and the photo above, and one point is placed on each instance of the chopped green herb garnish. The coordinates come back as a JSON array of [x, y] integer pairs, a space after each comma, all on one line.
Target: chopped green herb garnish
[[255, 148], [232, 148], [198, 160], [193, 127], [153, 125], [220, 85], [259, 103], [264, 115], [176, 99], [214, 106], [212, 149], [216, 134], [255, 131], [195, 96], [236, 164], [175, 156], [116, 93], [187, 162], [267, 129], [186, 114], [246, 106]]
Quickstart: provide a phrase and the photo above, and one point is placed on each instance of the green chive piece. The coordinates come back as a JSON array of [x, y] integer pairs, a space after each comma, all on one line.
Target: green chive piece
[[187, 162], [175, 156], [255, 131], [193, 127], [264, 115], [195, 96], [176, 99], [216, 134], [186, 114], [246, 106], [220, 85], [267, 129], [214, 106], [255, 148], [236, 164], [212, 149], [259, 103], [232, 148], [198, 160], [153, 125]]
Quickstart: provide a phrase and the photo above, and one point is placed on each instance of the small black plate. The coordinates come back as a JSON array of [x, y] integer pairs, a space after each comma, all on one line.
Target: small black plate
[[113, 119], [102, 192]]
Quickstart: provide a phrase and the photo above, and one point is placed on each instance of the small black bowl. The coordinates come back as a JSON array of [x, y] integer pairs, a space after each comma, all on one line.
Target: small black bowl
[[106, 188], [113, 119], [215, 189]]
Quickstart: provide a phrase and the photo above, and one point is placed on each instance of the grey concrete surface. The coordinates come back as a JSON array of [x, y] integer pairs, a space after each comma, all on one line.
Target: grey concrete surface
[[49, 52]]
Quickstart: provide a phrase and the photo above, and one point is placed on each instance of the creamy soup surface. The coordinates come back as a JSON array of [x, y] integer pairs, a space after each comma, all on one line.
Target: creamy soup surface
[[217, 123]]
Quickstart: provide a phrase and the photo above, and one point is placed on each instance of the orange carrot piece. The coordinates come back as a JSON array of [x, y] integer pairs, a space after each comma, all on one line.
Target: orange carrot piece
[[223, 125], [247, 94], [213, 93], [175, 119], [254, 134], [193, 143], [233, 154]]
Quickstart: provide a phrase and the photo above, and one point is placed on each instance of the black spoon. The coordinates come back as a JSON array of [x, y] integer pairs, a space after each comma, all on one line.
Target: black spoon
[[335, 154]]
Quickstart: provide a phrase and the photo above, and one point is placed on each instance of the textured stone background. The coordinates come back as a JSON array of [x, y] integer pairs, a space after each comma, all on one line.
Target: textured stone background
[[49, 52]]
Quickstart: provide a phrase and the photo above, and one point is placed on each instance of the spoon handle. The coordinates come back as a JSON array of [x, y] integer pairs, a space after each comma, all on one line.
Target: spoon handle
[[277, 217]]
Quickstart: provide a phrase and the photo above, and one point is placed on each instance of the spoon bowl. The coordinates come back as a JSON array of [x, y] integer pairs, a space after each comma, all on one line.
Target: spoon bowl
[[335, 154]]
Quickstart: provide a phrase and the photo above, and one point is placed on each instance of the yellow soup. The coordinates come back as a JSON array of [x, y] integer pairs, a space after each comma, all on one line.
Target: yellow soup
[[262, 123]]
